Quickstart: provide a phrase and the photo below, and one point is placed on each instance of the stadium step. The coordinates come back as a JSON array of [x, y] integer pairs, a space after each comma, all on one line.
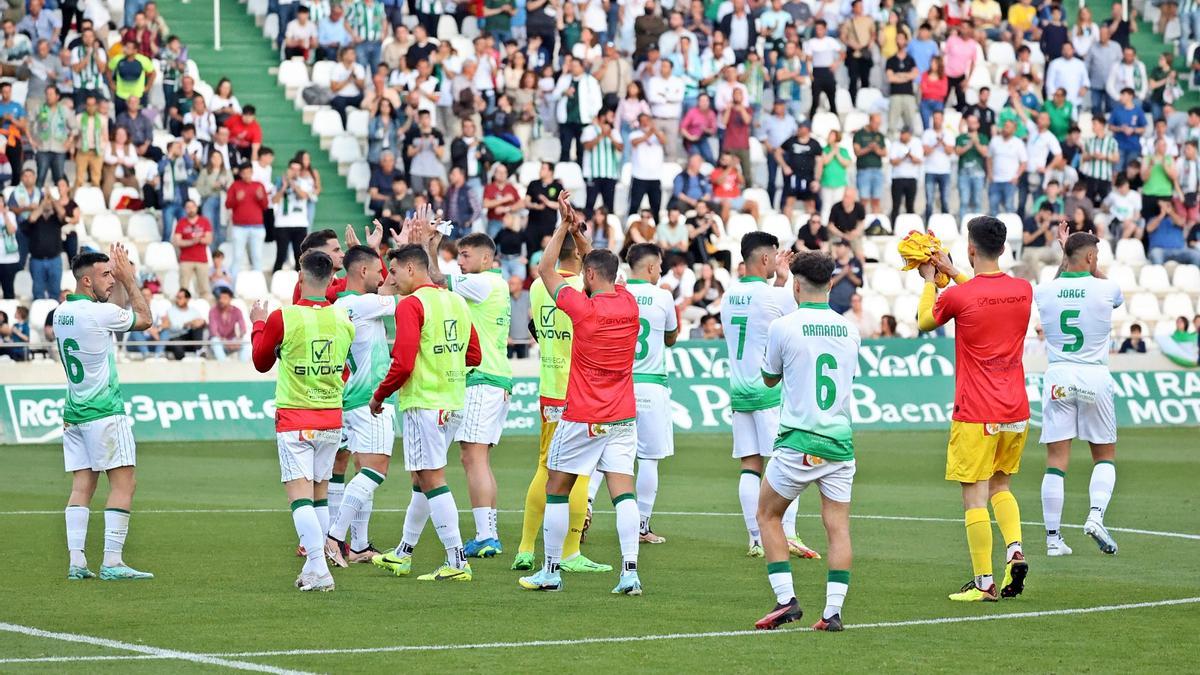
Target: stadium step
[[249, 61]]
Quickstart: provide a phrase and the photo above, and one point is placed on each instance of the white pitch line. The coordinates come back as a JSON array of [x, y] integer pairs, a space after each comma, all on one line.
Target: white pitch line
[[698, 514], [640, 638], [155, 652]]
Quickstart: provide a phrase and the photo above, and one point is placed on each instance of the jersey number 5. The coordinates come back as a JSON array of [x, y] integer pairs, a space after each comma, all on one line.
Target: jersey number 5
[[71, 363], [1070, 330], [643, 342], [826, 387]]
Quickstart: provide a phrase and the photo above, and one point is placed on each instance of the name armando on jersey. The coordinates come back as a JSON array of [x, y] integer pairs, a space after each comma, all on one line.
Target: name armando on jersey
[[825, 330]]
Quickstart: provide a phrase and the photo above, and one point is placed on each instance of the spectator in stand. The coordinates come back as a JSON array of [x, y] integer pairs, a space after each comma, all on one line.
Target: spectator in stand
[[1044, 155], [383, 175], [141, 130], [175, 175], [219, 275], [800, 159], [935, 88], [1128, 124], [847, 219], [130, 75], [1125, 206], [1099, 161], [142, 35], [367, 22], [672, 235], [291, 213], [887, 327], [332, 35], [1165, 238], [152, 335], [773, 131], [300, 36], [847, 277], [501, 199], [1101, 60], [469, 153], [738, 124], [1006, 160], [665, 91], [40, 23], [792, 78], [383, 131], [647, 142], [45, 70], [901, 75], [1187, 175], [402, 202], [51, 136], [511, 249], [245, 134], [89, 65], [870, 147], [907, 156], [813, 235], [10, 253], [835, 160], [629, 112], [961, 50], [579, 100], [602, 148], [858, 34], [120, 162], [1037, 248], [426, 148], [706, 234], [727, 182], [185, 324], [43, 230], [1134, 343], [825, 55], [868, 325], [519, 337], [938, 144], [642, 229], [192, 237], [691, 186], [1160, 178], [347, 81], [211, 182], [463, 206], [709, 329], [14, 125], [247, 200]]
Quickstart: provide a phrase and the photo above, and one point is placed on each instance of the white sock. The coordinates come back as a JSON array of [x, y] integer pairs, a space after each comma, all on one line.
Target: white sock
[[337, 488], [360, 538], [415, 518], [444, 514], [594, 485], [116, 526], [1104, 478], [627, 530], [781, 584], [1052, 503], [748, 487], [835, 596], [789, 519], [647, 491], [312, 537], [77, 524], [357, 494], [321, 508], [555, 524], [493, 527], [481, 515]]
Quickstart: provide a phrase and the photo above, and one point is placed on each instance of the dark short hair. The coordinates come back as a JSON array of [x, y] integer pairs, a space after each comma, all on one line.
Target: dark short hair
[[84, 261], [1079, 242], [814, 267], [639, 252], [250, 110], [224, 290], [752, 241], [186, 293], [360, 254], [1136, 327], [411, 253], [478, 240], [317, 239], [264, 150], [988, 234], [604, 262], [317, 266]]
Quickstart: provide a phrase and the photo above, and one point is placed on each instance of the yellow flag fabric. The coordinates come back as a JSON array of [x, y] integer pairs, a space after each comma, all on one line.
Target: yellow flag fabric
[[917, 248]]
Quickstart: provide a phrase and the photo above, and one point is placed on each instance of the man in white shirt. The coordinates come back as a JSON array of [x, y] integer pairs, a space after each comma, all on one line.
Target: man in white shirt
[[938, 145], [906, 156], [665, 94], [725, 88], [646, 156], [1069, 73], [1006, 166], [713, 61], [1131, 73], [347, 81], [668, 42], [300, 36], [1044, 154], [826, 55]]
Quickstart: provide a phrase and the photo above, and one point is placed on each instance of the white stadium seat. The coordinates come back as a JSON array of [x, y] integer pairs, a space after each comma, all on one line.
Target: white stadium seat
[[105, 228], [779, 225], [1187, 278], [160, 257], [667, 174], [322, 73], [1131, 252], [144, 228], [1153, 278], [345, 150], [1178, 304], [283, 283], [905, 307], [293, 76], [90, 200], [907, 222], [1124, 278], [359, 177], [739, 225], [67, 280], [251, 285], [38, 311], [358, 122], [943, 226], [118, 193], [876, 304], [869, 100], [327, 123], [1144, 307], [758, 196], [886, 280], [1104, 254]]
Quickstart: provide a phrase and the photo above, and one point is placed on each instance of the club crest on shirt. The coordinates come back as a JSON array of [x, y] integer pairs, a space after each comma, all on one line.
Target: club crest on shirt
[[813, 460], [1058, 392], [307, 434], [595, 430]]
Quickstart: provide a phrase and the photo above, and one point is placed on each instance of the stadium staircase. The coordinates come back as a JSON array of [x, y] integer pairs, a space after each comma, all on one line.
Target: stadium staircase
[[250, 62]]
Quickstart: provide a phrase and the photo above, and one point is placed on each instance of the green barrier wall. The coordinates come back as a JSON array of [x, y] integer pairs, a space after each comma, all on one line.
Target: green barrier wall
[[902, 384]]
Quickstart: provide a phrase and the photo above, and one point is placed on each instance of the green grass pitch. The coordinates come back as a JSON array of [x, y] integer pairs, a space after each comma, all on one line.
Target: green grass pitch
[[211, 521]]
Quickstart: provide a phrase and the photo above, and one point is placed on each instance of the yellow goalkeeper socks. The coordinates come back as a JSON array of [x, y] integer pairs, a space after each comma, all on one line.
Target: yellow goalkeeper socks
[[535, 510], [579, 506], [979, 541], [1008, 517]]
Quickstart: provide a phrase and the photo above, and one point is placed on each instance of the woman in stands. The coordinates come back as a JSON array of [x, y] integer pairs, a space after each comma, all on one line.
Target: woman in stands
[[211, 183], [309, 172], [224, 104], [120, 160]]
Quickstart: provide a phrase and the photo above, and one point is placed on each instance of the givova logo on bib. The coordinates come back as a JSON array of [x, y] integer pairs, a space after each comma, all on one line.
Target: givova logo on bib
[[35, 412]]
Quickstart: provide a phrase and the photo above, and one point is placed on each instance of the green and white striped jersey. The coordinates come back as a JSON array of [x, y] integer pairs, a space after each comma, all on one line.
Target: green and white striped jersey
[[602, 161], [83, 329], [370, 357], [656, 318], [749, 307]]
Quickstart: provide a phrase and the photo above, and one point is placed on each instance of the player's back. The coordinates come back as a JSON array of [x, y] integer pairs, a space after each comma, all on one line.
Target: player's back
[[491, 312], [747, 310], [553, 330], [439, 376], [816, 352], [83, 329], [369, 357], [656, 318], [991, 317], [605, 326], [1076, 314]]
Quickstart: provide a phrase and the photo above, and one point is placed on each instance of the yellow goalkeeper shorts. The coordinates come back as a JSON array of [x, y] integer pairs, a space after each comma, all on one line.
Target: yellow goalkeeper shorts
[[976, 451]]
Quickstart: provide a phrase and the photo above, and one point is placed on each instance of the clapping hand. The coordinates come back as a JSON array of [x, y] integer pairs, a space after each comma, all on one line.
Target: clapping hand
[[258, 311], [122, 268]]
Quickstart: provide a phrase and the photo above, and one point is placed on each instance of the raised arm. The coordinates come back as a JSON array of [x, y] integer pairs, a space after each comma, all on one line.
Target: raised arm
[[126, 275]]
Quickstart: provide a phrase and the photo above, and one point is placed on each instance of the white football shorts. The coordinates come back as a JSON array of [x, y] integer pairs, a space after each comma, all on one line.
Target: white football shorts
[[581, 448], [655, 435], [1077, 402], [427, 437], [754, 432], [790, 472], [99, 445], [307, 454], [368, 434], [483, 415]]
